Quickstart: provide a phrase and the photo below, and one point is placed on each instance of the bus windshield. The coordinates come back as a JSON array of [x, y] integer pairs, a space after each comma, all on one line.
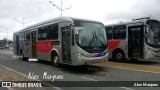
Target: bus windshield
[[90, 34], [153, 32]]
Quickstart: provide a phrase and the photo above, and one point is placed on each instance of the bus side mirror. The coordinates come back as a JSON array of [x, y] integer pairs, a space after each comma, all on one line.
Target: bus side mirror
[[72, 25], [72, 38], [76, 38]]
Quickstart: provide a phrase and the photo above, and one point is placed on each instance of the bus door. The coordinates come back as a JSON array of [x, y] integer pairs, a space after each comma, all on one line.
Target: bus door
[[33, 36], [135, 41], [66, 44], [17, 44]]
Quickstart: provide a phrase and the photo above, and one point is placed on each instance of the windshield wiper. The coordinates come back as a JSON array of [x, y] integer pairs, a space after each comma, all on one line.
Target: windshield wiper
[[95, 38], [153, 29]]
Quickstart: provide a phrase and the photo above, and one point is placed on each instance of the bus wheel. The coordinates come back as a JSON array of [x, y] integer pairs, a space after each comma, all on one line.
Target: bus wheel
[[55, 60], [119, 56]]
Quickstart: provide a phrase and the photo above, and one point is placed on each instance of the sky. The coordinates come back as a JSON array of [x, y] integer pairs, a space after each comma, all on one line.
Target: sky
[[105, 11]]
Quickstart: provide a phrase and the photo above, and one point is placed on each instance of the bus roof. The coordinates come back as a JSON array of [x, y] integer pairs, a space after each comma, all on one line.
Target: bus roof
[[130, 22], [57, 19]]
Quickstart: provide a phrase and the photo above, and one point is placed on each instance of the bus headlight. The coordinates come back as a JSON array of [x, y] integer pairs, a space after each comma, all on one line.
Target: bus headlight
[[80, 54]]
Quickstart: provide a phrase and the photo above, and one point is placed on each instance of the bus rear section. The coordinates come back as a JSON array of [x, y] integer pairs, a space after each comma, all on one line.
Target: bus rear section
[[117, 45], [134, 40]]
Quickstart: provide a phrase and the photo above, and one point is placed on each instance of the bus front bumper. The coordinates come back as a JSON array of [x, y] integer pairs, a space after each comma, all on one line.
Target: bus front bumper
[[93, 60]]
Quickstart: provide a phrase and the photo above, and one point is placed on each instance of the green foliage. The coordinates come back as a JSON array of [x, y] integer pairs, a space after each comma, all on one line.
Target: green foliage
[[4, 40]]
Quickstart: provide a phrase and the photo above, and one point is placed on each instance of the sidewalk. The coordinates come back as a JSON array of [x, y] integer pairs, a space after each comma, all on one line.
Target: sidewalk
[[10, 75]]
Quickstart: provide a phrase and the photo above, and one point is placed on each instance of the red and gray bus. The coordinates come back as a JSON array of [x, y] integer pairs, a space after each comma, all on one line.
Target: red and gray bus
[[138, 39], [64, 40]]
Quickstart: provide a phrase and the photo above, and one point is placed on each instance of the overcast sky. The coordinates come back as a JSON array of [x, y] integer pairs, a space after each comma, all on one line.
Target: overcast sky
[[106, 11]]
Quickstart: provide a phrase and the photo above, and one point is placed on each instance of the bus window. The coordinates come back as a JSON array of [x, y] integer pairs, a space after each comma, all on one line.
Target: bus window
[[21, 37], [119, 32], [52, 32], [28, 36], [42, 33], [109, 32]]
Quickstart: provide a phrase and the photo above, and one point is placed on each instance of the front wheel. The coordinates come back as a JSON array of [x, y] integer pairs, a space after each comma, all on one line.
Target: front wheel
[[119, 56], [55, 60]]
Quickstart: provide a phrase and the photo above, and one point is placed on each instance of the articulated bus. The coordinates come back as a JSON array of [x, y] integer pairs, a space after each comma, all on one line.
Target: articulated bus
[[138, 39], [64, 40]]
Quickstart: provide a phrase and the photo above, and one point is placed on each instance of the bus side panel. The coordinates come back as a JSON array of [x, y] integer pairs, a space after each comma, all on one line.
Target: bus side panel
[[117, 44], [113, 44], [43, 49]]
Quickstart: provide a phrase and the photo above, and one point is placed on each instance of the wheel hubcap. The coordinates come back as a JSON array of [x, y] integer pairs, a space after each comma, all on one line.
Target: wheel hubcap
[[55, 60], [119, 56]]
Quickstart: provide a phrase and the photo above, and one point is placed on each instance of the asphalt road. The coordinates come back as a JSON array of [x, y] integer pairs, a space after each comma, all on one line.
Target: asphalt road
[[85, 73]]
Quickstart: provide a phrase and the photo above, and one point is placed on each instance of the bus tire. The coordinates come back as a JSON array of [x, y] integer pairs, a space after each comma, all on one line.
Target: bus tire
[[118, 56], [55, 60]]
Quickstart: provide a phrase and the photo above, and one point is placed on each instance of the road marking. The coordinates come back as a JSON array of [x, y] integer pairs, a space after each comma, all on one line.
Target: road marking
[[126, 88], [10, 88], [97, 80], [4, 58], [27, 77], [142, 65], [15, 57], [60, 71], [46, 68], [89, 79], [143, 68], [14, 71], [23, 62], [135, 70], [33, 65]]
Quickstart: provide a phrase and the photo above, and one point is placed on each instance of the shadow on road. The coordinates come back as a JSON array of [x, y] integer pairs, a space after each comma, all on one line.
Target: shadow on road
[[83, 69]]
